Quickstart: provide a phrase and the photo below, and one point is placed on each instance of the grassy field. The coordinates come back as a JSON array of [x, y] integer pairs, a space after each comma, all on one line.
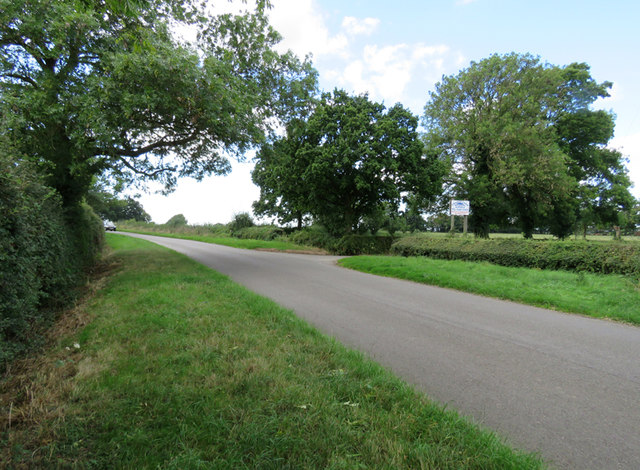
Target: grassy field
[[603, 296], [248, 244], [180, 368]]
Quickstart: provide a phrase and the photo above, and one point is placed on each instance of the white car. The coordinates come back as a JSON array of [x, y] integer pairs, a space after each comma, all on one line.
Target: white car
[[109, 226]]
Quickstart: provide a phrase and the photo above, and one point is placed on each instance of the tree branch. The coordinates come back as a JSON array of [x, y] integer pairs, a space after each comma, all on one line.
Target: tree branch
[[151, 174], [128, 152], [24, 78]]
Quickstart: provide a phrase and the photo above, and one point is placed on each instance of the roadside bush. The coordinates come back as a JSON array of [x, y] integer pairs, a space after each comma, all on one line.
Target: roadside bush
[[240, 221], [177, 220], [220, 230], [261, 232], [85, 231], [363, 245], [348, 245], [598, 257], [42, 253], [313, 236]]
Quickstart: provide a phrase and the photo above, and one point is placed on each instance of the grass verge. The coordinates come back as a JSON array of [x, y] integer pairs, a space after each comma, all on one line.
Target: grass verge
[[182, 368], [244, 243], [603, 296]]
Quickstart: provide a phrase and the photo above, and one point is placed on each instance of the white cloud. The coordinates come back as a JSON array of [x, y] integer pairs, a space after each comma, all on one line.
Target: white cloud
[[303, 29], [465, 2], [388, 72], [355, 26]]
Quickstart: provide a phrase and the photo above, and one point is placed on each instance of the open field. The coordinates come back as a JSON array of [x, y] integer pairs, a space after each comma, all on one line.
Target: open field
[[181, 368], [603, 296]]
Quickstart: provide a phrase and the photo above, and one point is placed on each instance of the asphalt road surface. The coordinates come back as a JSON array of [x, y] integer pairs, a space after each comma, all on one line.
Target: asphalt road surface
[[562, 385]]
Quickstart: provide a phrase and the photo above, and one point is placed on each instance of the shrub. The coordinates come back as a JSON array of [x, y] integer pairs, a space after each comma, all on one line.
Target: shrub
[[239, 222], [363, 245], [262, 232], [313, 236], [599, 257], [43, 250], [177, 220], [220, 230], [347, 245]]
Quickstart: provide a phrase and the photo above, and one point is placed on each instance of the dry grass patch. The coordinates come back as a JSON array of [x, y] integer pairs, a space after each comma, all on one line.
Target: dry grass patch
[[35, 391]]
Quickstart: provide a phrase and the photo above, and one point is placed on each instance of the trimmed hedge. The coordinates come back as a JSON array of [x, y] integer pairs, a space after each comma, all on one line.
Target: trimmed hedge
[[363, 245], [347, 245], [43, 252], [597, 257], [260, 232]]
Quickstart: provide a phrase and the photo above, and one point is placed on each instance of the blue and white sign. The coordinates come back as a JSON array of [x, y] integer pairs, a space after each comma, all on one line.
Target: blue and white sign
[[460, 207]]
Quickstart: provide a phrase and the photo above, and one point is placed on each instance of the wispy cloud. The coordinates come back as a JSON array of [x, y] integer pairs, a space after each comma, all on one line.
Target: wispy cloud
[[304, 30], [355, 26], [388, 72]]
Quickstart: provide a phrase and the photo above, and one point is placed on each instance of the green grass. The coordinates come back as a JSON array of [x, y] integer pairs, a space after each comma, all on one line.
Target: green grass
[[183, 369], [247, 244], [603, 296]]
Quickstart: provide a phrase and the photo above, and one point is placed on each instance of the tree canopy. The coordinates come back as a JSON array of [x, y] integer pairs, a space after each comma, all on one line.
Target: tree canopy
[[351, 160], [89, 88], [523, 143], [109, 206]]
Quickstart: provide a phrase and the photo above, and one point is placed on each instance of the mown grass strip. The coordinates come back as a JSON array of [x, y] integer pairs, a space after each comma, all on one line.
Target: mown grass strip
[[602, 296], [247, 244], [182, 368]]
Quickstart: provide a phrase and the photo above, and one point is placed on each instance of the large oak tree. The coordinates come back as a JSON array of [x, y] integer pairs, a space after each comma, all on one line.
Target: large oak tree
[[95, 87], [351, 159]]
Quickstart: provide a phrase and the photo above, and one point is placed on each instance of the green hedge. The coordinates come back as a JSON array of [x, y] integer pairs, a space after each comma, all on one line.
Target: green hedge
[[598, 257], [363, 245], [262, 232], [347, 245], [43, 252], [312, 236]]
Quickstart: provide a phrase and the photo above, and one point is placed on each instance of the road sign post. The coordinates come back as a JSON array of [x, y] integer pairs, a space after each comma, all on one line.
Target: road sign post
[[459, 208]]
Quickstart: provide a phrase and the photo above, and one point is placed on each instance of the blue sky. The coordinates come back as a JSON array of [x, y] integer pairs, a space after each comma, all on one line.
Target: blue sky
[[398, 51]]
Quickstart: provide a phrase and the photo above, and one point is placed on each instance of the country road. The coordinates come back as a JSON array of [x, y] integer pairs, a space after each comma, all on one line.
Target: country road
[[562, 385]]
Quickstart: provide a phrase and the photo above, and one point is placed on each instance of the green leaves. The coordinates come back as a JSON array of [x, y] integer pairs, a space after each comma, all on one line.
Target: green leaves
[[105, 88], [522, 142], [350, 161]]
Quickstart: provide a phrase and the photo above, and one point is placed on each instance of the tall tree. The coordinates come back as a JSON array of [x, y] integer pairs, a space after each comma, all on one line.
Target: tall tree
[[354, 159], [104, 87], [603, 191], [511, 129], [278, 174]]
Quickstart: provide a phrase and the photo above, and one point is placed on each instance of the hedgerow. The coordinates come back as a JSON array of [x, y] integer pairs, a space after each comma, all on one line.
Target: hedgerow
[[363, 245], [597, 257], [260, 232], [44, 251]]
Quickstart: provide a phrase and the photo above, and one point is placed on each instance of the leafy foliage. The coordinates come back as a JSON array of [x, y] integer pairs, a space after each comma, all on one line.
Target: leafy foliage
[[103, 87], [240, 221], [597, 257], [177, 220], [43, 251], [522, 143], [261, 232], [109, 207], [351, 160]]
